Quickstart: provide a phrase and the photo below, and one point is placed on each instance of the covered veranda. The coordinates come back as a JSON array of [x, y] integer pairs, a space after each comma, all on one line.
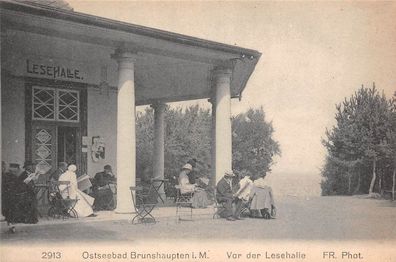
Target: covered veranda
[[143, 66]]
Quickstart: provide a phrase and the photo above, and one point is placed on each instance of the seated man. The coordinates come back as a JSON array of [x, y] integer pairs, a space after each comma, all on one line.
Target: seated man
[[263, 200], [225, 190], [101, 189]]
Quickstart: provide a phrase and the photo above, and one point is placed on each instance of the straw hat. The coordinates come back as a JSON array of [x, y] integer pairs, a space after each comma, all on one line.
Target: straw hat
[[188, 167], [229, 173]]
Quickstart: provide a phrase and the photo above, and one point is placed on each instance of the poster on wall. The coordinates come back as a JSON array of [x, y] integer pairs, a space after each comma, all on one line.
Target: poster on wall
[[98, 148]]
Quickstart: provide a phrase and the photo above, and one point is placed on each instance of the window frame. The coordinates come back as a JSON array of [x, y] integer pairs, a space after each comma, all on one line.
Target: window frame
[[57, 105]]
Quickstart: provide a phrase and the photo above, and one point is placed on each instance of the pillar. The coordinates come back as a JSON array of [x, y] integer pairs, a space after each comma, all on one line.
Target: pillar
[[223, 136], [126, 137], [159, 144], [1, 139], [213, 143]]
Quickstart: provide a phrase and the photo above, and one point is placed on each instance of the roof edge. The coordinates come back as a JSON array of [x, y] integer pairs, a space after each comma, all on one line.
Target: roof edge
[[126, 27]]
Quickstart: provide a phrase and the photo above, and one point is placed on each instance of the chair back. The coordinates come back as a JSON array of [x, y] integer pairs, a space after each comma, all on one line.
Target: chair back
[[183, 198], [54, 185], [134, 190]]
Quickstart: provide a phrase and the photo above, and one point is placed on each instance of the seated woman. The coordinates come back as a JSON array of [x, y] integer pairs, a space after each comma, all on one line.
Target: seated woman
[[84, 204], [200, 198], [263, 198], [19, 204]]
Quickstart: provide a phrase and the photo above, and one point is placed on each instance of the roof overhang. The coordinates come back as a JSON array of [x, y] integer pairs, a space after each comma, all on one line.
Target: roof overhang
[[180, 64]]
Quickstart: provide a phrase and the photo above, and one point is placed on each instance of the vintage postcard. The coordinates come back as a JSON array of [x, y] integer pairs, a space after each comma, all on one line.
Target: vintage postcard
[[198, 131]]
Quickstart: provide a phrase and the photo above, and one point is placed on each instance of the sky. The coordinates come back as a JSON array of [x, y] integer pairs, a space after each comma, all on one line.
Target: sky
[[314, 54]]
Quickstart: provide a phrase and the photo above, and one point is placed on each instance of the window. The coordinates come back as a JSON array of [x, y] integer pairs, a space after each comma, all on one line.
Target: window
[[43, 103], [55, 104]]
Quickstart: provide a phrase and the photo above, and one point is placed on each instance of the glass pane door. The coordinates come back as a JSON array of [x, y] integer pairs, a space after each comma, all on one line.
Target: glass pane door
[[44, 147]]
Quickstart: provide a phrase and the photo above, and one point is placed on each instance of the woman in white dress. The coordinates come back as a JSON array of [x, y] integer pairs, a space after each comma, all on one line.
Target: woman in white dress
[[200, 197], [84, 204]]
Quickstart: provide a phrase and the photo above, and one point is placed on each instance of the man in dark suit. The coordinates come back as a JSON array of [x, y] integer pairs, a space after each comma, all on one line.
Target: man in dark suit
[[225, 190], [104, 199]]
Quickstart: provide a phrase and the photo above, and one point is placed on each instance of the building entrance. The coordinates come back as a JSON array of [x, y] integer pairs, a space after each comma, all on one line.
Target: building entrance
[[57, 126], [52, 143]]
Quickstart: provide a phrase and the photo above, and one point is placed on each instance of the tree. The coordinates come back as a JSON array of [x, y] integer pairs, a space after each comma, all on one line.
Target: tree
[[253, 145], [360, 138]]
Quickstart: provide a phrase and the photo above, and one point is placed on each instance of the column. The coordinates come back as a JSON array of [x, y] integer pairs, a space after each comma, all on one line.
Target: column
[[159, 144], [223, 137], [213, 143], [1, 139], [126, 138]]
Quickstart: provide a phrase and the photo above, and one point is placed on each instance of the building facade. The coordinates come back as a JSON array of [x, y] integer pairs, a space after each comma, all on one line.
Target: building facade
[[70, 83]]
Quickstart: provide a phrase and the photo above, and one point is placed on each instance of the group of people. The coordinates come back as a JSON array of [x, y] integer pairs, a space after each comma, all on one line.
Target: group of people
[[100, 196], [19, 204], [19, 201], [232, 192]]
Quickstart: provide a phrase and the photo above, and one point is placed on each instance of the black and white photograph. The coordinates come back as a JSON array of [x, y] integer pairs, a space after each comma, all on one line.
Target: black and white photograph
[[198, 130]]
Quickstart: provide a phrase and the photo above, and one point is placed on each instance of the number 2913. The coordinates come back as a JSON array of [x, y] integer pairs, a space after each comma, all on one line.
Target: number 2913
[[51, 255]]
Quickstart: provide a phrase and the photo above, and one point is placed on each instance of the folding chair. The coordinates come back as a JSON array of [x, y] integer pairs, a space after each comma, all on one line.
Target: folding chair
[[246, 205], [183, 201], [142, 208], [59, 206]]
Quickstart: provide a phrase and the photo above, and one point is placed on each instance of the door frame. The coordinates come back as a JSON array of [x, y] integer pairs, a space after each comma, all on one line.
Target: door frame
[[82, 124]]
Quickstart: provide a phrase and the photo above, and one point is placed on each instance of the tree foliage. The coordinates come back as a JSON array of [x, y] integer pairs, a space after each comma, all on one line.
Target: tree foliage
[[252, 143], [360, 145], [188, 135]]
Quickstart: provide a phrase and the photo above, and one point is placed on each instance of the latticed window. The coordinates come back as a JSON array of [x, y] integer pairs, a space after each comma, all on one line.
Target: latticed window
[[68, 105], [55, 104], [43, 103]]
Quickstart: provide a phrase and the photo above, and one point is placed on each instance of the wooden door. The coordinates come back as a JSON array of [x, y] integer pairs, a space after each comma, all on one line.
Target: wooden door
[[44, 147]]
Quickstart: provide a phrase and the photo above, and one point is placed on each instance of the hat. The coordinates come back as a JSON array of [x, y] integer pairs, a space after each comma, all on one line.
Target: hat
[[188, 167], [107, 167], [229, 173]]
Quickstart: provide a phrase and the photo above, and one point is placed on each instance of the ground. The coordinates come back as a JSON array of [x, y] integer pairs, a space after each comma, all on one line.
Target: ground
[[318, 218]]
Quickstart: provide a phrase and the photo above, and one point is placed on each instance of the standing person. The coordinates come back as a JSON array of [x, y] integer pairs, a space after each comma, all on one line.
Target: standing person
[[225, 190], [264, 198], [84, 204], [101, 189]]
